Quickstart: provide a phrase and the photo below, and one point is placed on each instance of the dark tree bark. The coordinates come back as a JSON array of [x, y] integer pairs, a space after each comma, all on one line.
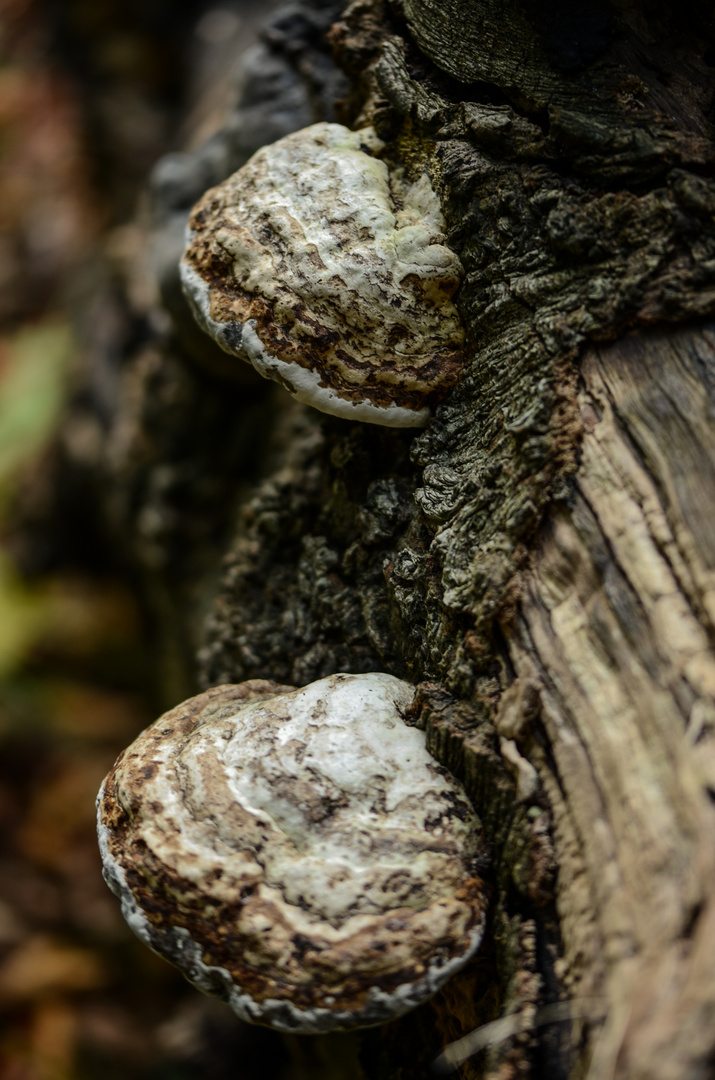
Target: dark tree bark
[[540, 560]]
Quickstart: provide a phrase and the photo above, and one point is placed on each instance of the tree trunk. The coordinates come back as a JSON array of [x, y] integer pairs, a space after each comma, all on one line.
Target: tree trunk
[[541, 559]]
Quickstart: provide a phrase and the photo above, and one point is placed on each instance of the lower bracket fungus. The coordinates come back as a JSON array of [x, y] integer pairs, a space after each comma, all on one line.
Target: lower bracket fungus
[[297, 853], [331, 275]]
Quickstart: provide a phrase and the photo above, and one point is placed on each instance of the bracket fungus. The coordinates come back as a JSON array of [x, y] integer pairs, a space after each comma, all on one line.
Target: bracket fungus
[[296, 852], [330, 274]]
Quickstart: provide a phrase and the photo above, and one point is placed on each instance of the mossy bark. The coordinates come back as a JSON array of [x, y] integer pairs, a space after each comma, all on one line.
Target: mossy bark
[[540, 560]]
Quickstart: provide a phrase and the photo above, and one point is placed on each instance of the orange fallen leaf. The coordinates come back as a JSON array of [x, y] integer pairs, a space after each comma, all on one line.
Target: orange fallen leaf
[[42, 966], [53, 1039]]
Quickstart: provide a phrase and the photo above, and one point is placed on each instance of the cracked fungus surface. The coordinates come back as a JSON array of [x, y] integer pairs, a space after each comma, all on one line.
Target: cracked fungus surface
[[331, 275], [297, 852]]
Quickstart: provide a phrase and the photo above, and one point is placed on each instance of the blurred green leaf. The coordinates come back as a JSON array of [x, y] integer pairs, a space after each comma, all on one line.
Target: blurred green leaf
[[34, 365], [22, 616], [33, 381]]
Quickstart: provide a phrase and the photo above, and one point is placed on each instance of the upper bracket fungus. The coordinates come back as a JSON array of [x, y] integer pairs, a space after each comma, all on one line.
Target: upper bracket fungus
[[296, 852], [331, 275]]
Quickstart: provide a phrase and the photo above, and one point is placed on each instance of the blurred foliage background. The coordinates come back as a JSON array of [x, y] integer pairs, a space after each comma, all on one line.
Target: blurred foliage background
[[92, 92]]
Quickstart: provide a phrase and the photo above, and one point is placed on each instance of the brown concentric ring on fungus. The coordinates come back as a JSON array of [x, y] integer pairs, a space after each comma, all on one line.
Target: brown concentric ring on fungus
[[296, 852]]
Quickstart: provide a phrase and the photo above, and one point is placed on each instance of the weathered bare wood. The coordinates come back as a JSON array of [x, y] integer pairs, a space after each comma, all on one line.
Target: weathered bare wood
[[616, 630]]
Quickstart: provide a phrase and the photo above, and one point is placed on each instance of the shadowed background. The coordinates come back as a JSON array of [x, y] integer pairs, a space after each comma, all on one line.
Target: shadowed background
[[91, 96]]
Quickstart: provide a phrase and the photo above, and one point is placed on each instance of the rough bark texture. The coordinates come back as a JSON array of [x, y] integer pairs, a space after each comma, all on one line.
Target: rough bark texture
[[540, 559]]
